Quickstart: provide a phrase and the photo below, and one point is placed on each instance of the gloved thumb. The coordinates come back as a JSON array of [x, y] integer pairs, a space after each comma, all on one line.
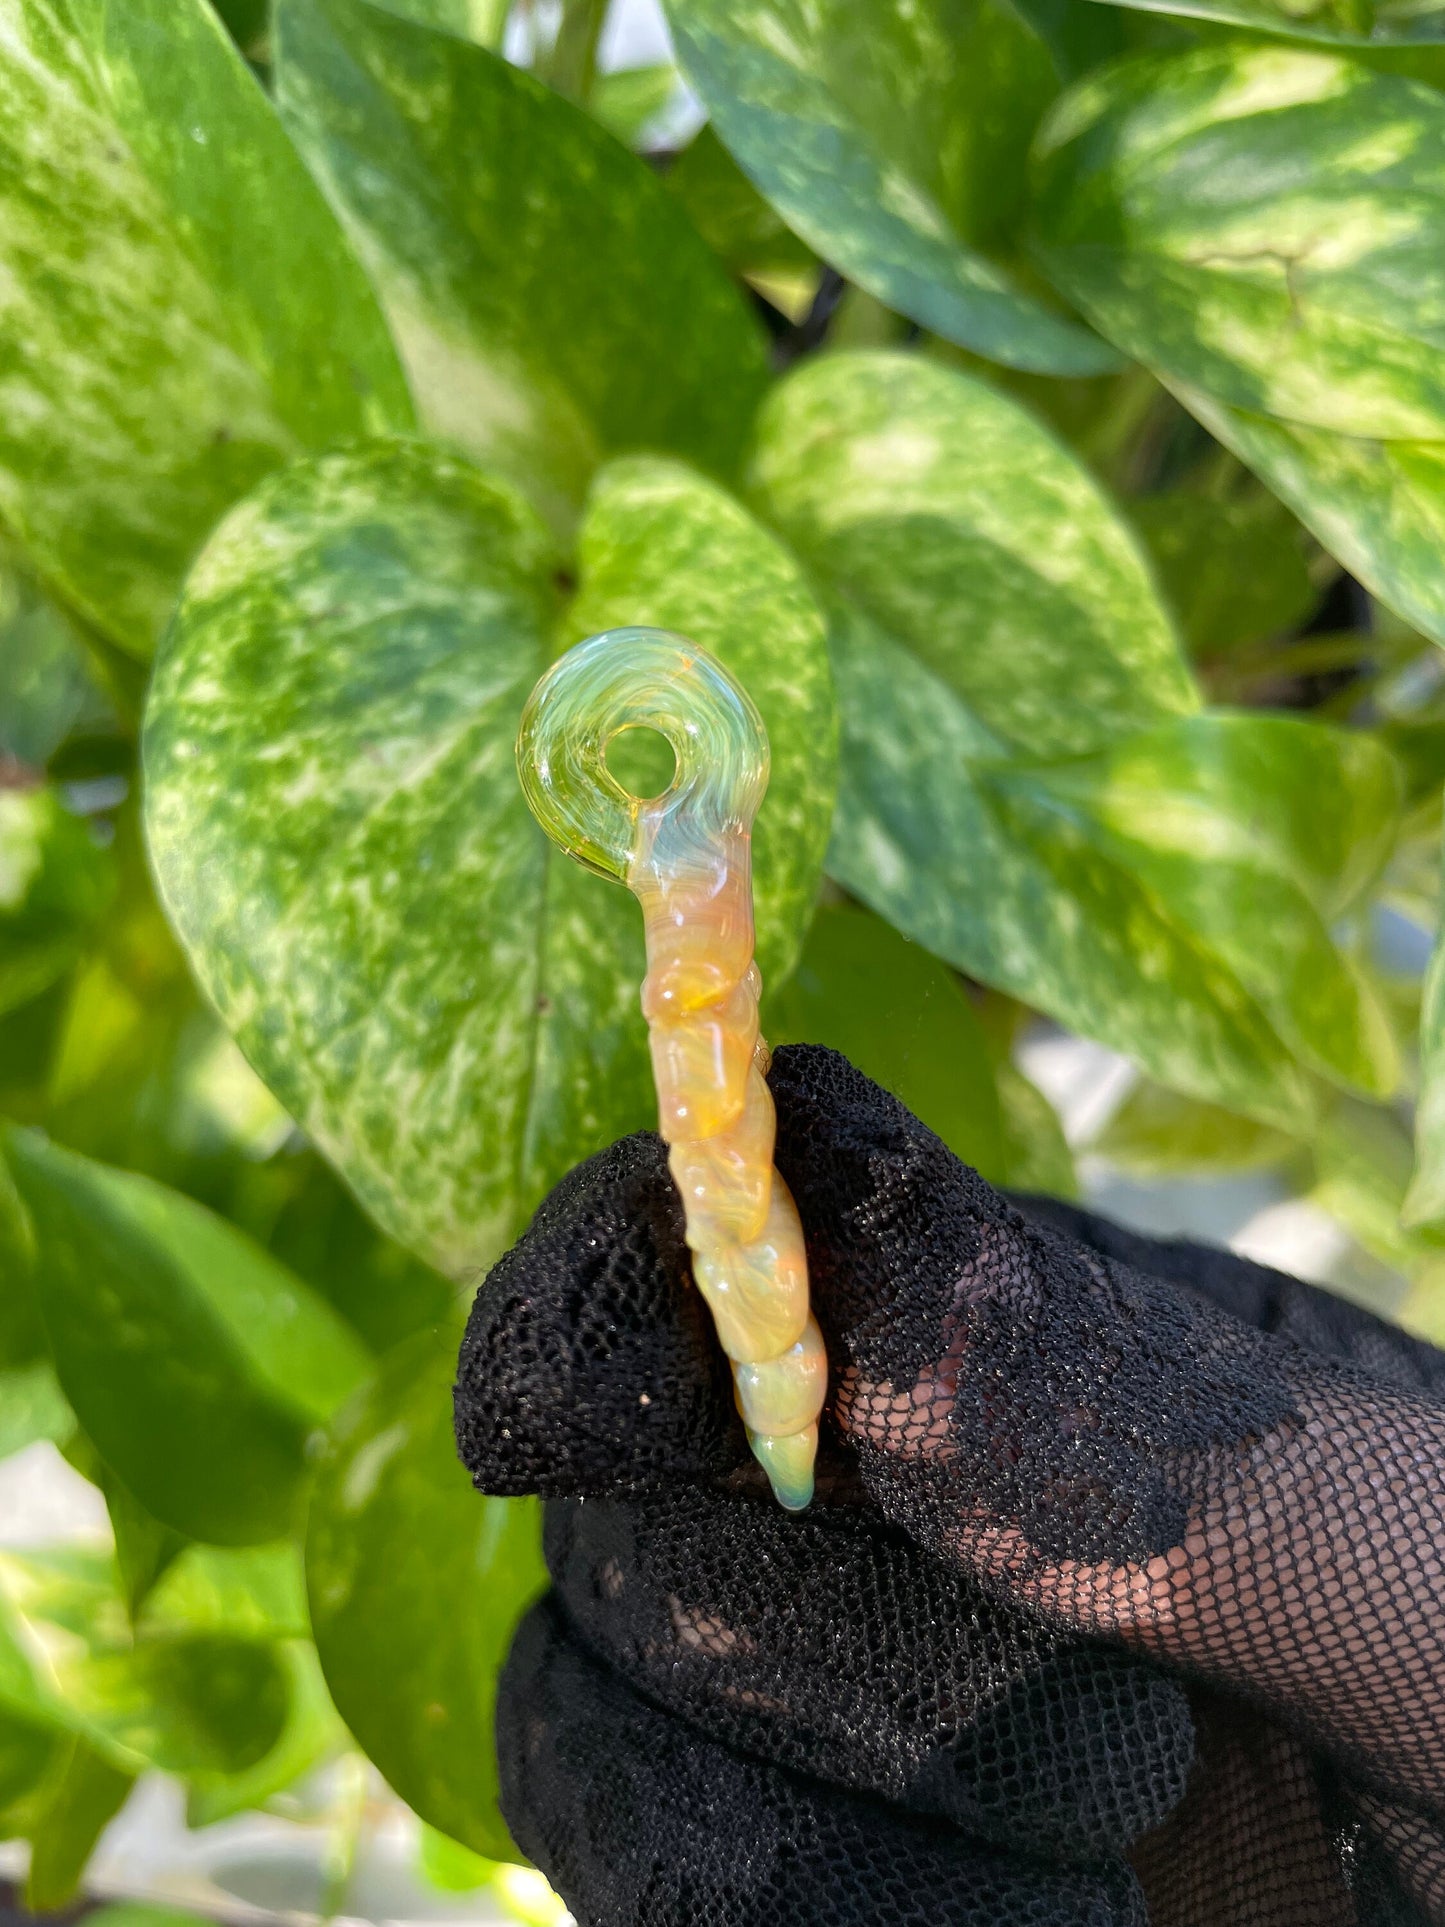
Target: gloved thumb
[[589, 1364]]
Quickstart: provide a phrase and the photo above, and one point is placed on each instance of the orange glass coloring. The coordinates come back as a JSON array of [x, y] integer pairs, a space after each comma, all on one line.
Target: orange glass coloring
[[686, 855]]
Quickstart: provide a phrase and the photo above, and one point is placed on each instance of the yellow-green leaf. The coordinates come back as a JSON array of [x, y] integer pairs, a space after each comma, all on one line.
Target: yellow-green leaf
[[551, 300], [179, 311], [891, 137]]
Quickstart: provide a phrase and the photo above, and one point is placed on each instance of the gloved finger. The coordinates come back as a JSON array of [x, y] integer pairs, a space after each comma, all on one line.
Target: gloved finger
[[1256, 1294], [1118, 1452], [639, 1822], [833, 1646], [589, 1363]]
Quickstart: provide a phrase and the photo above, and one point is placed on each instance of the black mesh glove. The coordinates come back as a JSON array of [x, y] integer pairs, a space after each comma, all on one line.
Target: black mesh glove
[[1044, 1435]]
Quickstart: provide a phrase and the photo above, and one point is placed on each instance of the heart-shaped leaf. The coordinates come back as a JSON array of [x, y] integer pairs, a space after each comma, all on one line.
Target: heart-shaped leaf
[[180, 310], [184, 1701], [1254, 833], [446, 1005], [515, 244], [931, 507], [957, 520], [662, 546], [1260, 223], [891, 138]]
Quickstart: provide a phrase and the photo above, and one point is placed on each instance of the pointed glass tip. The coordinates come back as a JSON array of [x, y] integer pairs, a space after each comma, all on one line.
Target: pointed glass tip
[[788, 1463]]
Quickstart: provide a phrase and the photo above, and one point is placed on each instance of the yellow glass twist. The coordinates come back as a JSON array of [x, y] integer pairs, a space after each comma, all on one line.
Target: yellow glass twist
[[686, 855]]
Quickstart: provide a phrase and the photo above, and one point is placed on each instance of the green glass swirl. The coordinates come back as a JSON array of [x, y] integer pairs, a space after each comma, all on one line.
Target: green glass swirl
[[639, 679]]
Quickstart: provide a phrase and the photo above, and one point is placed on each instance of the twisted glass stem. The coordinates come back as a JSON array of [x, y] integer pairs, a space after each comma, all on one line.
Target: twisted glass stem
[[687, 857]]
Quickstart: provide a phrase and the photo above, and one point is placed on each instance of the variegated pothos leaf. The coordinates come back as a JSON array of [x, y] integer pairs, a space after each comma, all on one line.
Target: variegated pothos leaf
[[179, 311]]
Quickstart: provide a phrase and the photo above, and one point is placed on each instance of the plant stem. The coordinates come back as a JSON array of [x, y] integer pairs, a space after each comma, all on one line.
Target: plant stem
[[571, 66]]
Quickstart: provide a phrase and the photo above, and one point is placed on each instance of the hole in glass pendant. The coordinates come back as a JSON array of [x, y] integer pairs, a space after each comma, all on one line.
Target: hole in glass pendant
[[642, 761]]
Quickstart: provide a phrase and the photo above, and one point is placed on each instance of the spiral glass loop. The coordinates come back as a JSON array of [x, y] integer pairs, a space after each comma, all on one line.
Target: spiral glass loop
[[638, 679]]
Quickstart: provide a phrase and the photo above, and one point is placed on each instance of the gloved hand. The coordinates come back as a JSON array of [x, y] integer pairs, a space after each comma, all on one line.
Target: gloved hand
[[1124, 1577]]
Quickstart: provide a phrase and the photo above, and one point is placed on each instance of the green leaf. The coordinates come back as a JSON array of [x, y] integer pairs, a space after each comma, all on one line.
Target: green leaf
[[629, 100], [312, 1733], [959, 523], [55, 880], [247, 22], [1079, 34], [48, 685], [448, 1007], [1260, 223], [1036, 1154], [305, 1216], [903, 1019], [1362, 1160], [1233, 570], [180, 310], [1314, 806], [83, 1793], [1369, 25], [144, 1547], [661, 546], [371, 907], [28, 1753], [1021, 900], [1377, 506], [187, 1701], [483, 21], [730, 214], [971, 642], [416, 1586], [197, 1704], [1425, 1200], [32, 1406], [1251, 833], [1159, 1134], [891, 138], [144, 1913], [195, 1362], [517, 247], [450, 1867], [22, 1335]]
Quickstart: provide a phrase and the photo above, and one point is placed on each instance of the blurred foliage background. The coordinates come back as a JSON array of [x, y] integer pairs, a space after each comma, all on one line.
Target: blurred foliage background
[[1040, 405]]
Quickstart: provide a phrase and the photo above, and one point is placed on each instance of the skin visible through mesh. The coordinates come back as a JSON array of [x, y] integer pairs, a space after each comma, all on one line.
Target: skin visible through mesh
[[1412, 1845], [1309, 1572], [1133, 1463], [1254, 1807]]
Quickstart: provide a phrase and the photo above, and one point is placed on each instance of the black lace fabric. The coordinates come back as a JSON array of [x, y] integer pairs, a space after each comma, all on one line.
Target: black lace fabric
[[1121, 1599]]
